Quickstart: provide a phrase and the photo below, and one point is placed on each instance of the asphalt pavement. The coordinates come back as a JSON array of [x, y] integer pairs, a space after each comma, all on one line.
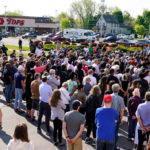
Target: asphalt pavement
[[43, 142]]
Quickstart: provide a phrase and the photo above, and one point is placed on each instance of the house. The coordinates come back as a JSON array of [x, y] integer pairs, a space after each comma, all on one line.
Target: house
[[109, 24]]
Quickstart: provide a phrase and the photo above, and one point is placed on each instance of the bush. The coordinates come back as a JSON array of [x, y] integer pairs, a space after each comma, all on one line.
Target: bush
[[66, 42], [48, 42], [84, 43]]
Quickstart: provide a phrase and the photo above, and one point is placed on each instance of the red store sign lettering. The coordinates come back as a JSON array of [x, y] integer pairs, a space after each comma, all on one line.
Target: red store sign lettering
[[11, 21]]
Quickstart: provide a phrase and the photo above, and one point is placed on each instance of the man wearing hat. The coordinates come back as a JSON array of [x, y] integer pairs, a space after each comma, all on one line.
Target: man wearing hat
[[106, 119], [73, 127], [19, 86]]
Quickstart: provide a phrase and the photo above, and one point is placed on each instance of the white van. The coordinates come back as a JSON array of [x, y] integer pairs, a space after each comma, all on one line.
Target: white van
[[79, 34]]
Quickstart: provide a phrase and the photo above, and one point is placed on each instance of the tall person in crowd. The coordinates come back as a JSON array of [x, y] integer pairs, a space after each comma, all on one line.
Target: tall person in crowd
[[94, 100], [44, 108], [143, 116], [57, 115], [35, 94], [19, 88], [73, 127], [106, 119], [8, 81], [117, 104]]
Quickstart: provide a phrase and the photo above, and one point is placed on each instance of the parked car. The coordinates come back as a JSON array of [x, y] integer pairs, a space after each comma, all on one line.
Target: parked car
[[1, 37], [47, 37], [110, 39], [108, 34], [29, 35], [143, 42], [59, 38], [126, 42], [147, 37], [6, 35]]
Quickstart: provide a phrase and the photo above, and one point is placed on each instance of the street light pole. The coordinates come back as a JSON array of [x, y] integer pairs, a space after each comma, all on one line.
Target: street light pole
[[5, 20], [103, 9]]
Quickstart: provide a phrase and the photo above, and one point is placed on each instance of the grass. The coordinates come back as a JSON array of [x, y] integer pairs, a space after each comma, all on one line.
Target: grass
[[17, 53], [24, 48]]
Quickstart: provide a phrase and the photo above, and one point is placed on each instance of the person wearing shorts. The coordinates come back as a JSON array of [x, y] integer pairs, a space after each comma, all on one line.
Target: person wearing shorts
[[35, 94]]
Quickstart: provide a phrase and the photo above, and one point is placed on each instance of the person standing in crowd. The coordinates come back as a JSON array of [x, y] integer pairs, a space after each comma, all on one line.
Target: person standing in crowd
[[148, 145], [19, 88], [73, 127], [4, 49], [93, 79], [94, 100], [143, 116], [35, 94], [44, 108], [103, 85], [106, 119], [57, 115], [53, 81], [133, 103], [28, 94], [8, 81], [20, 44], [0, 116], [112, 77], [20, 139], [117, 104], [65, 95], [80, 95], [80, 73], [87, 86], [96, 66], [125, 84]]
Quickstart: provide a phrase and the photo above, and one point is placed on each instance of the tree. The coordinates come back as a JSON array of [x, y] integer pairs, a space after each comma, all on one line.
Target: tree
[[118, 14], [65, 23], [14, 13], [146, 17], [84, 10], [140, 20], [62, 15], [140, 29]]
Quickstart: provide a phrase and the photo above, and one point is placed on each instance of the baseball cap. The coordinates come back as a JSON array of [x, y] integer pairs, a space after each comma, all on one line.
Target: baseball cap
[[107, 98], [76, 104], [20, 68]]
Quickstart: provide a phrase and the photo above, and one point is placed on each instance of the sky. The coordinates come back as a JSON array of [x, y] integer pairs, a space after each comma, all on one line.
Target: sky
[[54, 7]]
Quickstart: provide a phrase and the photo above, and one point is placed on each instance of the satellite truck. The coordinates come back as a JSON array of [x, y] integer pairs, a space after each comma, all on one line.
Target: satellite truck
[[79, 35]]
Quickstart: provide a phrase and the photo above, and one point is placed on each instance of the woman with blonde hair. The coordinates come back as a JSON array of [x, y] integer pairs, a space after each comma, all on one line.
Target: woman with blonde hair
[[57, 114], [20, 139], [94, 101]]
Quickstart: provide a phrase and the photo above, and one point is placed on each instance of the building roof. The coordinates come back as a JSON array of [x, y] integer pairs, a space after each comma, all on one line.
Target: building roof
[[110, 19]]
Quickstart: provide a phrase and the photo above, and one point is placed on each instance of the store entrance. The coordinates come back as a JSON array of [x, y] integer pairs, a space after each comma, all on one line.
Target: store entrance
[[11, 30]]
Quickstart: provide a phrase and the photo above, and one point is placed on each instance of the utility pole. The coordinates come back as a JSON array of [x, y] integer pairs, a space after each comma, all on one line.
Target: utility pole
[[5, 19], [103, 10]]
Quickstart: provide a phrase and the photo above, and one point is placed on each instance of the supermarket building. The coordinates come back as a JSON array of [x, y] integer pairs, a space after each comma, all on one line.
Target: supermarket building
[[23, 24]]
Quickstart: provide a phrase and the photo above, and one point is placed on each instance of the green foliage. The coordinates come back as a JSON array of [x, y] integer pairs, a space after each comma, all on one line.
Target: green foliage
[[14, 13], [65, 23], [141, 30], [84, 10], [118, 14], [24, 48], [62, 15], [131, 49]]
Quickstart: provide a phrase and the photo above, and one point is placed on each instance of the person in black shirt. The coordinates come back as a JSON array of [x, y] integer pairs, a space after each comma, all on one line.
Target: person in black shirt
[[111, 77], [20, 44], [80, 73], [4, 49], [8, 81]]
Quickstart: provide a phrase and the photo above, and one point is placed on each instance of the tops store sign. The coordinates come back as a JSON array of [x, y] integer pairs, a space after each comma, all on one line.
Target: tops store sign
[[17, 22]]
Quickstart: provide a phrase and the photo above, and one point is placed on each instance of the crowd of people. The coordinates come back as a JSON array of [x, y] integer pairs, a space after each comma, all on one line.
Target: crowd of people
[[83, 89]]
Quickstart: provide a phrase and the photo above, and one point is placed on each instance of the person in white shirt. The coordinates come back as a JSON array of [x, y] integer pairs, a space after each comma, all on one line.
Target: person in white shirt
[[38, 51], [65, 95], [90, 75], [96, 66], [70, 66], [20, 139]]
